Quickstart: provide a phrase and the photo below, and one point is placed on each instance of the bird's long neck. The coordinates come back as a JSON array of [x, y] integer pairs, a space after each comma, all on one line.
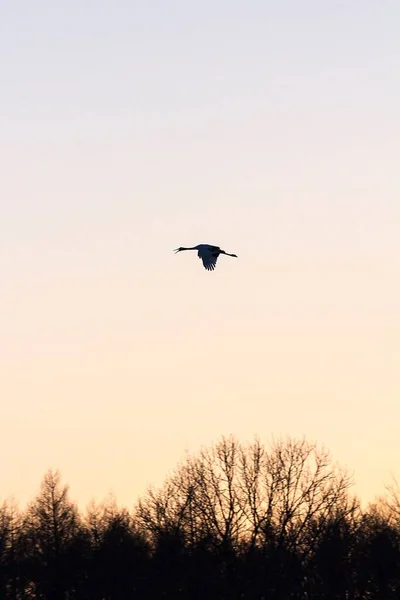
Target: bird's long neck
[[192, 248]]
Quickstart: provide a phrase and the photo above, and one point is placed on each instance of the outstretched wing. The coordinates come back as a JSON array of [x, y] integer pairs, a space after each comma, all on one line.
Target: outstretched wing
[[209, 257]]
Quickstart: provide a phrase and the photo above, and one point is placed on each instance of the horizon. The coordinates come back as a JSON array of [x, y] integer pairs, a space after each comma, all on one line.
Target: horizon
[[309, 450], [130, 130], [187, 456]]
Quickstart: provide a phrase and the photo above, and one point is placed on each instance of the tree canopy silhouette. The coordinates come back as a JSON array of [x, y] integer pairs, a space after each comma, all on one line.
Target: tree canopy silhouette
[[234, 521]]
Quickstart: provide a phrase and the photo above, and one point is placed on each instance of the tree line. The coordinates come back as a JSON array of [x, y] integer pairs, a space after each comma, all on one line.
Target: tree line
[[233, 522]]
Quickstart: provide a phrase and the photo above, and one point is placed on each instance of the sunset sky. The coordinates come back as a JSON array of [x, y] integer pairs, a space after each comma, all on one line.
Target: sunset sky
[[130, 128]]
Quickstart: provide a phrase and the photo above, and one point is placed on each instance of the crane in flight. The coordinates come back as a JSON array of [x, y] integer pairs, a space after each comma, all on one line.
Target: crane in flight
[[208, 254]]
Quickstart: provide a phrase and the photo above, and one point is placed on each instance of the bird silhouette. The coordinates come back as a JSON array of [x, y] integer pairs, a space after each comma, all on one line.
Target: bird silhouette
[[208, 254]]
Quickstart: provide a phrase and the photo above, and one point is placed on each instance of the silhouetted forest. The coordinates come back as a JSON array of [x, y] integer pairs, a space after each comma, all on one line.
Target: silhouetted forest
[[249, 522]]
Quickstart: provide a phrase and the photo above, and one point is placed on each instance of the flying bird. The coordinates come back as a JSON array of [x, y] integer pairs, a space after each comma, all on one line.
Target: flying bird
[[208, 254]]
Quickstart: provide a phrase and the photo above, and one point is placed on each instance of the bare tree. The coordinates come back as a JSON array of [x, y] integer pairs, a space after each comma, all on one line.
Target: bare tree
[[200, 500], [51, 525], [300, 486], [119, 551], [10, 527], [237, 493], [389, 504]]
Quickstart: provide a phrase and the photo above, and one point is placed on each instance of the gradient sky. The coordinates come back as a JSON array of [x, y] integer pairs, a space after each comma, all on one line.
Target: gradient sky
[[130, 128]]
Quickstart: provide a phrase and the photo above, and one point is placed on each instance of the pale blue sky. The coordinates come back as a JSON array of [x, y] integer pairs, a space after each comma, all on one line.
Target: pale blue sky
[[128, 129]]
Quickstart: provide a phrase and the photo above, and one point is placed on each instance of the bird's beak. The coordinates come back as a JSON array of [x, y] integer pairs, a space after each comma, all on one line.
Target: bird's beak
[[176, 250]]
